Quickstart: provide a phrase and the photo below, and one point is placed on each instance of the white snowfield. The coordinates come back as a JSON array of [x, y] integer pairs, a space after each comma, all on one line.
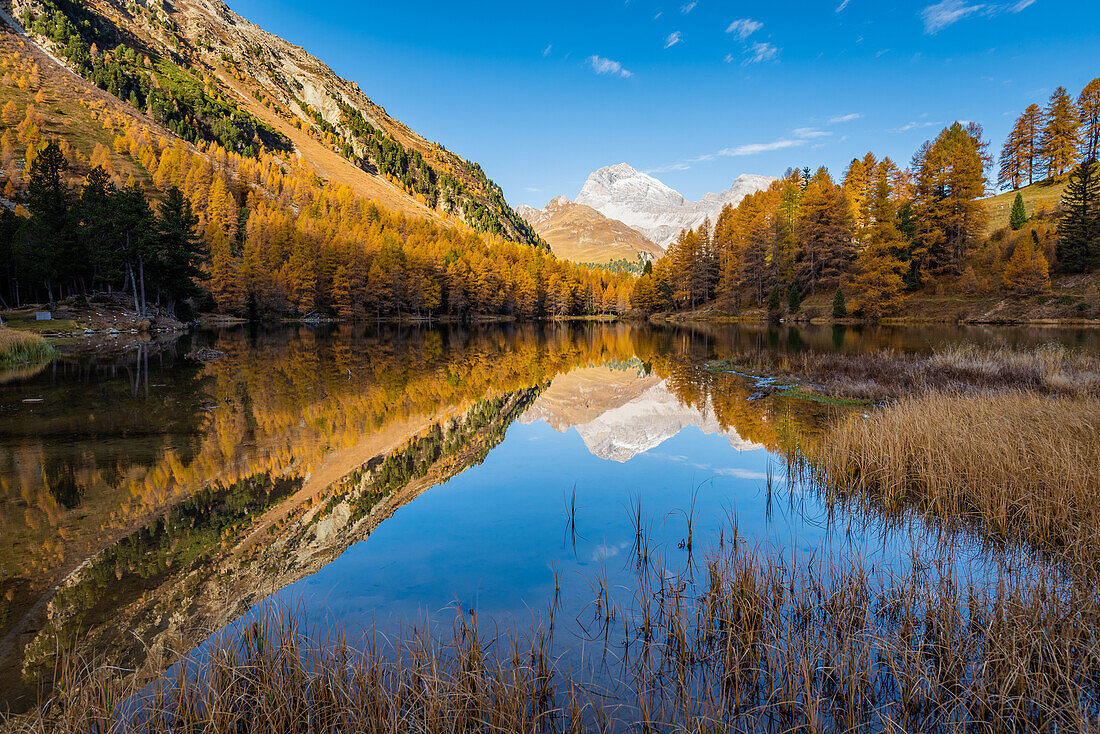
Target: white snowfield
[[656, 210]]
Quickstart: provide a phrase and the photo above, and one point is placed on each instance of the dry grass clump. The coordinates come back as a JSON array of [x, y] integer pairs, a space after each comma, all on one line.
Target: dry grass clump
[[1017, 466], [963, 368], [20, 348], [756, 643]]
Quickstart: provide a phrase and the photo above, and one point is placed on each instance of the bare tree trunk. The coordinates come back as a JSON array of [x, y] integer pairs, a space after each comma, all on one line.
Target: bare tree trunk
[[141, 267], [133, 283]]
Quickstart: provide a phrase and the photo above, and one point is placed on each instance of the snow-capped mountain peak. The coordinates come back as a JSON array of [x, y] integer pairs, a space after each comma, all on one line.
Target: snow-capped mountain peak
[[653, 208]]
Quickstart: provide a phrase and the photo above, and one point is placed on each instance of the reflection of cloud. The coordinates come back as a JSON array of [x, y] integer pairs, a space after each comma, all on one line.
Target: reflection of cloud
[[722, 471]]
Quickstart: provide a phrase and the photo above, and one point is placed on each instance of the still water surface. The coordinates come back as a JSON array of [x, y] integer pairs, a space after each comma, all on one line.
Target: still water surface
[[375, 478]]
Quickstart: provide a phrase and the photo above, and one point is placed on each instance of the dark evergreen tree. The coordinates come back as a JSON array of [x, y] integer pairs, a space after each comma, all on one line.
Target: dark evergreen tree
[[794, 298], [1018, 217], [47, 235], [180, 251], [840, 307], [775, 301], [1078, 246]]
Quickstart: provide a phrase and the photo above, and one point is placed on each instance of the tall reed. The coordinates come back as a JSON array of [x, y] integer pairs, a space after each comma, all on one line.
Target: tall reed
[[19, 348], [1017, 466]]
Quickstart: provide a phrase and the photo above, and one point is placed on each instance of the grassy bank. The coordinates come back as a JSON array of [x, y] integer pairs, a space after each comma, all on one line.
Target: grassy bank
[[888, 375], [21, 348], [1016, 467]]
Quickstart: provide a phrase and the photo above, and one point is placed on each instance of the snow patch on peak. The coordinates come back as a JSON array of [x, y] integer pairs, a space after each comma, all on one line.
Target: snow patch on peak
[[652, 207]]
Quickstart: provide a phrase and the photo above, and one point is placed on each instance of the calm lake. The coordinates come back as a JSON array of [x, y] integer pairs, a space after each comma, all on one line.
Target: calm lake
[[376, 478]]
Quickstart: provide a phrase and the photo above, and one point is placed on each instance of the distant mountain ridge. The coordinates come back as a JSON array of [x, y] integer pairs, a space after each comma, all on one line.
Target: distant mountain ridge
[[581, 234], [655, 209]]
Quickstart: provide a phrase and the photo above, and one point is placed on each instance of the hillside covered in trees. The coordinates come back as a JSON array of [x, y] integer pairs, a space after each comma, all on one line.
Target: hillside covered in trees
[[884, 231], [209, 76], [88, 178]]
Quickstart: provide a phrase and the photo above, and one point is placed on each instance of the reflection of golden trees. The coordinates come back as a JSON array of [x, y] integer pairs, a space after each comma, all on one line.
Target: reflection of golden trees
[[278, 403]]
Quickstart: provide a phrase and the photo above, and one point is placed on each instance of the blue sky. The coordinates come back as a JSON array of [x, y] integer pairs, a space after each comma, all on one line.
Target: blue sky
[[696, 93]]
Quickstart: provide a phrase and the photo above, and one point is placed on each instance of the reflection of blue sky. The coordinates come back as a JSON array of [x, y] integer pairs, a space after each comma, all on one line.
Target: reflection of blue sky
[[492, 537]]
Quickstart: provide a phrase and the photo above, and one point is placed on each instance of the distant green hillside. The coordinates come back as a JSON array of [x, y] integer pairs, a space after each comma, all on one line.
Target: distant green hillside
[[999, 206]]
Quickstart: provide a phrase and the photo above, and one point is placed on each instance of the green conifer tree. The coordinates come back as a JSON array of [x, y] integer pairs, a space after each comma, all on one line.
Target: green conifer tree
[[1078, 245], [1018, 217], [840, 307], [794, 298]]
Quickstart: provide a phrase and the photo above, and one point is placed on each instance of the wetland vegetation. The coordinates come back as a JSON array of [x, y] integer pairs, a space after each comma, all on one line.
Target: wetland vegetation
[[355, 529]]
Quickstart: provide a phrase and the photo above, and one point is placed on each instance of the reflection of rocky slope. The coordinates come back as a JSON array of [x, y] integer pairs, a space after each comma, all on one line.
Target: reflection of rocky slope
[[167, 586], [620, 413]]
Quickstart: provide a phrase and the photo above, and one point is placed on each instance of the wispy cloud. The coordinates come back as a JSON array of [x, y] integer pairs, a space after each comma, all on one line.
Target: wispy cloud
[[546, 51], [758, 148], [840, 8], [844, 118], [942, 14], [743, 28], [914, 125], [948, 12], [532, 189], [685, 9], [673, 38], [600, 65], [797, 138], [761, 52]]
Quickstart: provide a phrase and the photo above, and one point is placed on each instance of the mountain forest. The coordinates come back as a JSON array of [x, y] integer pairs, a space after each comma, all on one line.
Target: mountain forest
[[884, 231], [178, 194]]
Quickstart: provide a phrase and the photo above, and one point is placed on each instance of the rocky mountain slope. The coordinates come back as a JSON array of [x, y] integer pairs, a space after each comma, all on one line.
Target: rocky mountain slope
[[656, 210], [208, 75], [581, 234]]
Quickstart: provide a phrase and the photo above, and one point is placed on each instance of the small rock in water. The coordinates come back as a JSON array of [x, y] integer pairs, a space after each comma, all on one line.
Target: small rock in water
[[206, 354], [33, 400]]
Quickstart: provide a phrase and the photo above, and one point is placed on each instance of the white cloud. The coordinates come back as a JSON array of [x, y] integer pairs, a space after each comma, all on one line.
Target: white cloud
[[944, 13], [728, 59], [673, 38], [600, 65], [757, 148], [532, 189], [947, 12], [840, 8], [844, 118], [743, 28], [761, 52], [809, 133], [685, 9], [546, 51], [914, 125]]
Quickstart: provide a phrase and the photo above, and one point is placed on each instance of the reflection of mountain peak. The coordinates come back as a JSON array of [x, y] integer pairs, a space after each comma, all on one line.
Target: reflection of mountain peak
[[620, 414]]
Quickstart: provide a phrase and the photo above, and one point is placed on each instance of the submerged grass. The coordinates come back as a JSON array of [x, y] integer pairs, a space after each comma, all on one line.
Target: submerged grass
[[964, 368], [20, 348], [755, 641]]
